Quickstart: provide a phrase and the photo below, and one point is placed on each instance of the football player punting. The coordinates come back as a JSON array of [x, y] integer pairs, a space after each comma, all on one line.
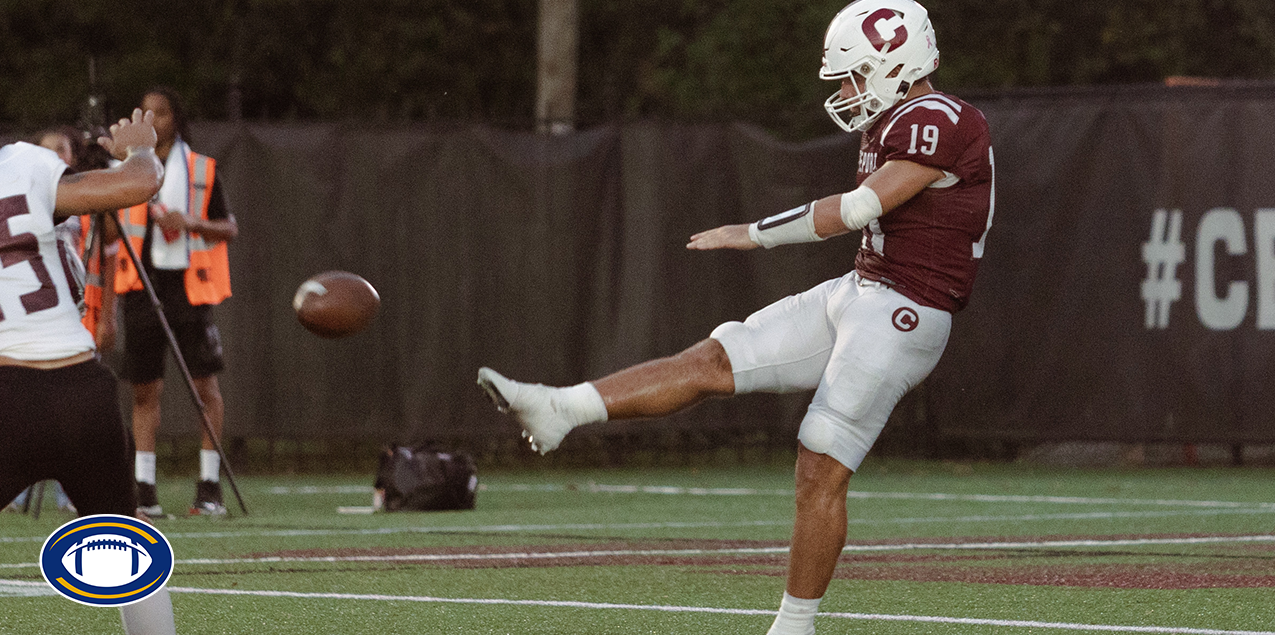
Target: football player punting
[[61, 411], [923, 207]]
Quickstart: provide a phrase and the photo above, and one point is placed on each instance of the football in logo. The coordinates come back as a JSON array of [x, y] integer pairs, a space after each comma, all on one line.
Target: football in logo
[[106, 560]]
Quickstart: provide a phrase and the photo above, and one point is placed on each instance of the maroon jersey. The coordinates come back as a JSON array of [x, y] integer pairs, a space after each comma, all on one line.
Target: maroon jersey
[[928, 248]]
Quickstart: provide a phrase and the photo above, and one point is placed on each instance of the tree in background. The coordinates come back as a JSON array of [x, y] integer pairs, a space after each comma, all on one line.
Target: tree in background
[[423, 60], [1009, 43], [285, 59]]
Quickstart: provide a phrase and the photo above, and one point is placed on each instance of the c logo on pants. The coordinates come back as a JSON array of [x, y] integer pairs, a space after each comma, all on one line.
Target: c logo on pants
[[905, 319]]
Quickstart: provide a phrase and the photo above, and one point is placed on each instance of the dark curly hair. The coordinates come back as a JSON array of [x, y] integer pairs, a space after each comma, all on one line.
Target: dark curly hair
[[175, 103]]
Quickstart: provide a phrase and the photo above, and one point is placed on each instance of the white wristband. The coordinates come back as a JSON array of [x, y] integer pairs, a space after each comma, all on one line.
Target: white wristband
[[860, 207], [796, 225]]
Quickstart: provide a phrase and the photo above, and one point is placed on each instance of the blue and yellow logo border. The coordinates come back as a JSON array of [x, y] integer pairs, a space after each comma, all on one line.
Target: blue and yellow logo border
[[61, 540]]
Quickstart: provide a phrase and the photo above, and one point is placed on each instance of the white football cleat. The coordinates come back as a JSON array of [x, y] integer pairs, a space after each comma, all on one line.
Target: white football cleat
[[533, 405]]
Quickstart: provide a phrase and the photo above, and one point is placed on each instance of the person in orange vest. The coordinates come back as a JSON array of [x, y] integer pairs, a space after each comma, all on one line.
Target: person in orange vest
[[180, 237], [96, 248]]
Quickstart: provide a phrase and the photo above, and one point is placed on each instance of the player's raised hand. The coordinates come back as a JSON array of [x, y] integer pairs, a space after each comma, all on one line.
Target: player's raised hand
[[724, 237], [134, 180], [130, 135]]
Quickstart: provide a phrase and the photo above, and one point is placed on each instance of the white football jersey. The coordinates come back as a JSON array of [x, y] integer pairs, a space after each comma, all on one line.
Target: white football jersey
[[38, 315]]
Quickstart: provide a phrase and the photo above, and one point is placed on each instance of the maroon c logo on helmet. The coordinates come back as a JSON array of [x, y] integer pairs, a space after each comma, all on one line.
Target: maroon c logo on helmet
[[884, 28]]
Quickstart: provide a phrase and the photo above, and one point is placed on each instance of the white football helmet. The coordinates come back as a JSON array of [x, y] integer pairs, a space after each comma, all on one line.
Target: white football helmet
[[889, 44]]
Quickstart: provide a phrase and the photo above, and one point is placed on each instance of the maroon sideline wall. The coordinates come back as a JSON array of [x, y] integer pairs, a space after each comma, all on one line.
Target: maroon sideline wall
[[556, 259]]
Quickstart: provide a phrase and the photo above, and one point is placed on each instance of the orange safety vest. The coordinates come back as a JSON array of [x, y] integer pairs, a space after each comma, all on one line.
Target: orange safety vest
[[90, 248], [208, 277]]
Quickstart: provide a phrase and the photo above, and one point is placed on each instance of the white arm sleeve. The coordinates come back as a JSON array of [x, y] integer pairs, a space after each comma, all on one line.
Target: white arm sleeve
[[860, 207], [796, 225]]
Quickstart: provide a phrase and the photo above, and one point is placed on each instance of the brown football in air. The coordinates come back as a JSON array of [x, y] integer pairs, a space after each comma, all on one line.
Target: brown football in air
[[336, 304]]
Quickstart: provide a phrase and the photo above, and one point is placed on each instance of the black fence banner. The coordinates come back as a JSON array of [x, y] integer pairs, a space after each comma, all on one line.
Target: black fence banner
[[1127, 293]]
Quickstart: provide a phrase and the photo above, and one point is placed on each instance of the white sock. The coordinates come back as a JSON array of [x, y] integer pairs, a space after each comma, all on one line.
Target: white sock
[[582, 404], [209, 466], [152, 616], [796, 616], [144, 467]]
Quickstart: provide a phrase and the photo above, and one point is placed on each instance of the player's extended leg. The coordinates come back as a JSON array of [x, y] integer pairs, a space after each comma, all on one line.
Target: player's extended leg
[[781, 348], [667, 385], [651, 389]]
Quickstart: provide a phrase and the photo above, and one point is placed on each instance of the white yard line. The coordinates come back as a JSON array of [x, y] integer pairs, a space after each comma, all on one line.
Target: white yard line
[[379, 531], [613, 553], [1058, 544], [601, 488], [24, 589], [823, 617], [319, 489], [1061, 500]]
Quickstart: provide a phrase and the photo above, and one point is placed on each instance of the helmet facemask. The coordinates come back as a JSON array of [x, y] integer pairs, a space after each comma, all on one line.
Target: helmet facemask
[[854, 113]]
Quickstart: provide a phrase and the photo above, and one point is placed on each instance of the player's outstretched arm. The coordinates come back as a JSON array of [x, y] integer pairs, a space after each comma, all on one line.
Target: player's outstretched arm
[[887, 188], [725, 237], [815, 221], [135, 180]]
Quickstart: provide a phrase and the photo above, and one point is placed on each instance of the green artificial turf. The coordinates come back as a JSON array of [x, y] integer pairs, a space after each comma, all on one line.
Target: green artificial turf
[[886, 583]]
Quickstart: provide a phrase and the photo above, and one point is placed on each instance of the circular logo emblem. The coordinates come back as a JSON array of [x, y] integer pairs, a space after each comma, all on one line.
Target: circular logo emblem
[[106, 560], [905, 319]]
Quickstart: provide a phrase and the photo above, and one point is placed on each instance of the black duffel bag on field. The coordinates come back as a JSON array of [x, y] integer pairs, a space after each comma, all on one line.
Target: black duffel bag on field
[[424, 479]]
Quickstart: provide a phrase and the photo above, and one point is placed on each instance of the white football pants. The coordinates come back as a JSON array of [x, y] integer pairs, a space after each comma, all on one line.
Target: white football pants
[[859, 344]]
